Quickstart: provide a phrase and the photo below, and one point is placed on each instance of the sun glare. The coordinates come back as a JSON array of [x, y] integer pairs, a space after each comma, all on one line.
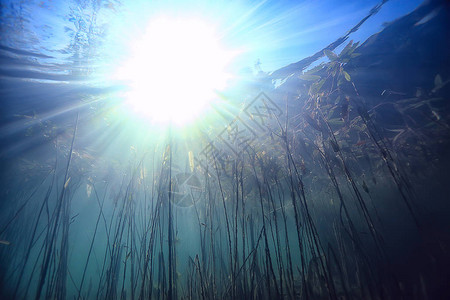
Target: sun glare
[[174, 70]]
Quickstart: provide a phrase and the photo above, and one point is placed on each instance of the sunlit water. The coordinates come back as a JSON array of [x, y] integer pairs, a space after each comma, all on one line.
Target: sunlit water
[[324, 178]]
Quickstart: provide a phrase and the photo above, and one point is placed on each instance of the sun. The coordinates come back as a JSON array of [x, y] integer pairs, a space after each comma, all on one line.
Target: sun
[[174, 70]]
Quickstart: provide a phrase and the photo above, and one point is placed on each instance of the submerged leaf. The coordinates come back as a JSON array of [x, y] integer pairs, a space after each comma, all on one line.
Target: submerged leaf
[[346, 50], [336, 122], [315, 124], [67, 183], [191, 161], [88, 190], [364, 186], [330, 54], [347, 76], [317, 86], [334, 145], [436, 115], [345, 111]]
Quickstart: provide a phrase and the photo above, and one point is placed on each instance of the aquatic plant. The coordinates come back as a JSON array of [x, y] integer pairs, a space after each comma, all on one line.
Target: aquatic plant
[[299, 213]]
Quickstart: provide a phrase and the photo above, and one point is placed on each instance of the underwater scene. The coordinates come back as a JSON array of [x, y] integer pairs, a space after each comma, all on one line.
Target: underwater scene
[[225, 150]]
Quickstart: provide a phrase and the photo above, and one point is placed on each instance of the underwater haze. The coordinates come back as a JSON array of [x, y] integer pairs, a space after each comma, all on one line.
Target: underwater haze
[[225, 150]]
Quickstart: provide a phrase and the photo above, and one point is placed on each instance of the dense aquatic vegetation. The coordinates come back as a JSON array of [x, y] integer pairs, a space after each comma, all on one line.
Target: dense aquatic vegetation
[[308, 203]]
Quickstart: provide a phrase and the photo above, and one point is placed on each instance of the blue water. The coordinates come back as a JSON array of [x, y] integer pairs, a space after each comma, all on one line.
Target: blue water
[[319, 171]]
